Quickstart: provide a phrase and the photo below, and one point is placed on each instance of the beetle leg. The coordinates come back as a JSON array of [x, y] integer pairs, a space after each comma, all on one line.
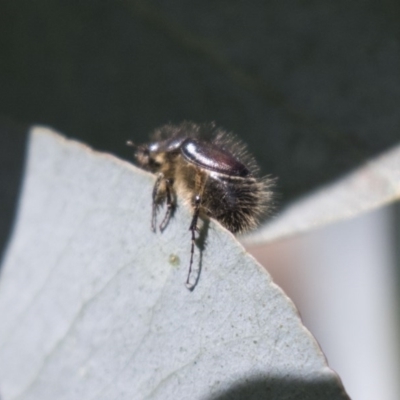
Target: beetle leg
[[193, 228], [170, 204], [156, 193]]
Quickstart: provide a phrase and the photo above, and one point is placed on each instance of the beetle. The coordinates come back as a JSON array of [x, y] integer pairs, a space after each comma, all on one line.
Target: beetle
[[211, 171]]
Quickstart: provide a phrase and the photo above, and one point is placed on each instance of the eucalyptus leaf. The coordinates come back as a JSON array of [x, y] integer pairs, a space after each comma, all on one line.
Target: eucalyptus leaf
[[373, 185], [93, 304]]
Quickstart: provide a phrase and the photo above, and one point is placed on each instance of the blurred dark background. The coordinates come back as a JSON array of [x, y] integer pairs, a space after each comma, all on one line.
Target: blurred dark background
[[312, 86]]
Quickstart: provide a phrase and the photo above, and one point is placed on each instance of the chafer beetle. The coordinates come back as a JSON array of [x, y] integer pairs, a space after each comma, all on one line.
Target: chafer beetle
[[211, 171]]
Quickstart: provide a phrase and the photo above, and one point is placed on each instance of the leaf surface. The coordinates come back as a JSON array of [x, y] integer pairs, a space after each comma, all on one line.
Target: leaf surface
[[373, 185], [93, 303]]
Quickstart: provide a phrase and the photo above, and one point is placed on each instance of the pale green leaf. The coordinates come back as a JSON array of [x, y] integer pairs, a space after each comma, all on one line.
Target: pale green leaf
[[93, 304]]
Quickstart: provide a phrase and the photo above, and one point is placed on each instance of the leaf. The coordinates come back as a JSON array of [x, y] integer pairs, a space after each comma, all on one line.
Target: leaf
[[373, 185], [93, 303]]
